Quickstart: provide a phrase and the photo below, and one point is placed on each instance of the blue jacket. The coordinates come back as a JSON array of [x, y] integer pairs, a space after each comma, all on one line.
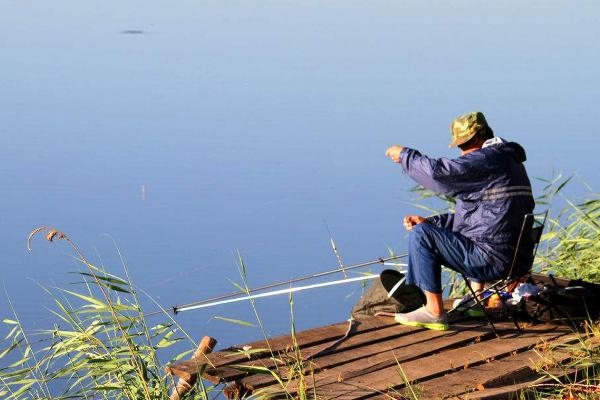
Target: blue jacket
[[492, 192]]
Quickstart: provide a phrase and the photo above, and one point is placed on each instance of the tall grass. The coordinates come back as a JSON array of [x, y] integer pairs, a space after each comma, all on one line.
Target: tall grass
[[579, 377], [100, 347], [570, 247], [290, 365]]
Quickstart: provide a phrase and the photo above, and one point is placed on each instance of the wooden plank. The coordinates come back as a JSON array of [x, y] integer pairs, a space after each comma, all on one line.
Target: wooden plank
[[442, 363], [361, 338], [426, 338], [304, 339], [506, 371], [513, 391], [522, 390], [357, 385], [401, 352], [223, 371], [371, 355], [494, 389]]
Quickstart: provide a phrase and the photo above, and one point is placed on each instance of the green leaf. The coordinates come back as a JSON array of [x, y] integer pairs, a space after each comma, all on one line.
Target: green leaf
[[115, 287], [181, 355], [234, 321], [166, 342], [109, 278], [562, 185], [10, 348], [255, 369], [21, 390], [86, 298], [108, 388], [12, 331], [19, 363], [549, 235], [163, 343]]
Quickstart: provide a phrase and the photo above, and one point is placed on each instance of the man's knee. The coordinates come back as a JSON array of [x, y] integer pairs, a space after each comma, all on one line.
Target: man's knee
[[421, 232]]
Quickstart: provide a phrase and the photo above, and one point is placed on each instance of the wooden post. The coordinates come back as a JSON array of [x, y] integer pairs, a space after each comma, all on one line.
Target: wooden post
[[185, 384]]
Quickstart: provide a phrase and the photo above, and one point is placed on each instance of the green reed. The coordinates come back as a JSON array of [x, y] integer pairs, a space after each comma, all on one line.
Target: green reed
[[570, 248], [99, 347]]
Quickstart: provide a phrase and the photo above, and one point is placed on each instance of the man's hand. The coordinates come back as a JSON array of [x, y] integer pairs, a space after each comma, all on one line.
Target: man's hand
[[411, 220], [394, 153]]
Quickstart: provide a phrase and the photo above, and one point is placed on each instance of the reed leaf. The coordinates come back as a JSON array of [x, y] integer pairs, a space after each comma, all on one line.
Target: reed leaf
[[235, 321]]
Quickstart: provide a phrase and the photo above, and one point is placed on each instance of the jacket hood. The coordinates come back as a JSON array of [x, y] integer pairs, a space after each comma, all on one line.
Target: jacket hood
[[512, 148]]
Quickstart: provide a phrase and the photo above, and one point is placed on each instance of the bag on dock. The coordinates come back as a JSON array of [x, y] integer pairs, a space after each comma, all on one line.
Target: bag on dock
[[574, 303], [375, 299]]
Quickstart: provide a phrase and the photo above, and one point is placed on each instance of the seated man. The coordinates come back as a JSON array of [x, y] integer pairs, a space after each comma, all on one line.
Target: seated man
[[492, 193]]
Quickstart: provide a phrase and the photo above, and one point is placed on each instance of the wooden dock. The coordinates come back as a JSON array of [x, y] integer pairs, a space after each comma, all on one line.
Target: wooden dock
[[382, 359]]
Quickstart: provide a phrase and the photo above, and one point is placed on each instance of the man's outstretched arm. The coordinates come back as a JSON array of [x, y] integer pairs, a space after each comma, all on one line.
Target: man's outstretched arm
[[441, 175]]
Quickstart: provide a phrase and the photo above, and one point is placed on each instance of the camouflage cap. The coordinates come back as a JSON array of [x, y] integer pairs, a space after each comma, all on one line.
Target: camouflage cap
[[466, 126]]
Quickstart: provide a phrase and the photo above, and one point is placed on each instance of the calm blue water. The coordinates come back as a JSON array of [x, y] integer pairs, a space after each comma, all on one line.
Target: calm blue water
[[249, 123]]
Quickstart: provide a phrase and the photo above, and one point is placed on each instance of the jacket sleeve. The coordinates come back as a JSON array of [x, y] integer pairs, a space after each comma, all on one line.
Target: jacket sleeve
[[442, 220], [443, 175]]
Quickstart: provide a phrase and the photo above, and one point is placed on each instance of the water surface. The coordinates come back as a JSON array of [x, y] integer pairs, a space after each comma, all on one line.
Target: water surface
[[249, 123]]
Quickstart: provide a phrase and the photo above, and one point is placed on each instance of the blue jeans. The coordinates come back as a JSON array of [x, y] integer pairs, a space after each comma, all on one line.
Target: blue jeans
[[430, 247]]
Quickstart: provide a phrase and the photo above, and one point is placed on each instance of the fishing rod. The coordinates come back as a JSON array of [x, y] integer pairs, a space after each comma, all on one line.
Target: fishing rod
[[177, 309], [292, 290], [276, 292]]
